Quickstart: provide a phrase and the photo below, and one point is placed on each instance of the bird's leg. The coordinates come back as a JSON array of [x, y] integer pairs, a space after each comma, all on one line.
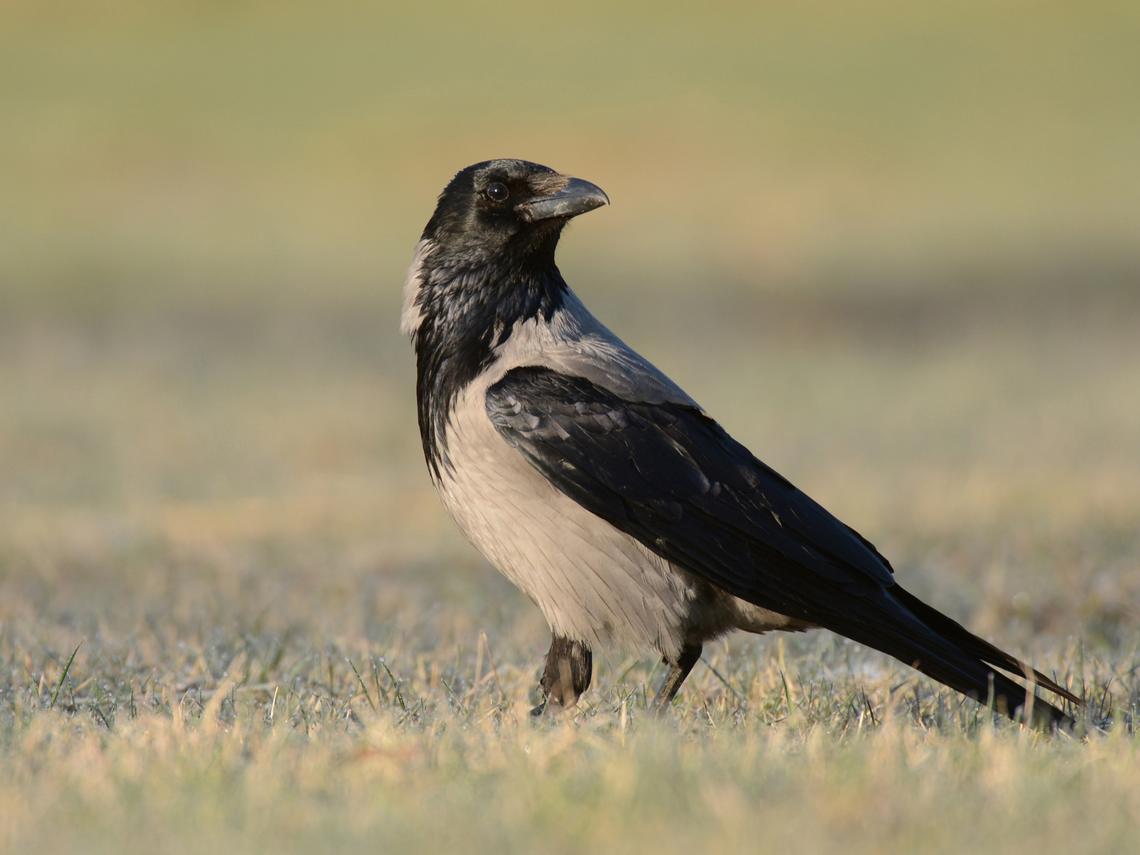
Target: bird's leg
[[569, 667], [678, 671]]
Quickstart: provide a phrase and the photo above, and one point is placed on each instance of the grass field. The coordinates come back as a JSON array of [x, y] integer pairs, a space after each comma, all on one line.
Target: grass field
[[232, 612]]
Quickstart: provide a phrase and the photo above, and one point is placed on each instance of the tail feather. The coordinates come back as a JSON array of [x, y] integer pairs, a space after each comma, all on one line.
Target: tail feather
[[975, 646], [941, 648]]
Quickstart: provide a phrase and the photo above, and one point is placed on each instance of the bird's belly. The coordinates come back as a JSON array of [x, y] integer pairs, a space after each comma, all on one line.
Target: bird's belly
[[753, 618], [592, 582]]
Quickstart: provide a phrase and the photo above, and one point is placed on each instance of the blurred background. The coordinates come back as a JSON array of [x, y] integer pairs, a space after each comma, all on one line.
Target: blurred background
[[893, 247]]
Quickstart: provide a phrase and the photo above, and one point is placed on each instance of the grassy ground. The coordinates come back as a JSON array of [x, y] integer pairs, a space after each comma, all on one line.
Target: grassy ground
[[232, 613]]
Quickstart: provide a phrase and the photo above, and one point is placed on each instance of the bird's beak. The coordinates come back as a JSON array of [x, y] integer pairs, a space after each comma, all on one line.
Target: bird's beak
[[577, 197]]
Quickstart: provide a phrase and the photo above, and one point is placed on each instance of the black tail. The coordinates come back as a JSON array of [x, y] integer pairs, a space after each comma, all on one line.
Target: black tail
[[939, 647]]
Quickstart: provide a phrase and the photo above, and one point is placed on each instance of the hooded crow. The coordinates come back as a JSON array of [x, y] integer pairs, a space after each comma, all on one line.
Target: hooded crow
[[605, 493]]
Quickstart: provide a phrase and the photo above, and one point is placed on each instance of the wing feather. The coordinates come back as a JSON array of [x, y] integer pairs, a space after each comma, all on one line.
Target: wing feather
[[667, 474]]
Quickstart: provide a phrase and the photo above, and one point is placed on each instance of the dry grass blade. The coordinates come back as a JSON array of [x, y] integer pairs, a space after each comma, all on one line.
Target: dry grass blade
[[63, 676], [233, 675]]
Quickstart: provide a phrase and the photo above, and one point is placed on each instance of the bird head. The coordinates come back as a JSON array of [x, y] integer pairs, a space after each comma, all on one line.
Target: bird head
[[485, 264], [507, 211]]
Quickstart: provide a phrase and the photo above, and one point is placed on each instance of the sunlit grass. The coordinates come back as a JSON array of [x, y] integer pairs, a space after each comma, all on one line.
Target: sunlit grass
[[265, 742], [281, 644]]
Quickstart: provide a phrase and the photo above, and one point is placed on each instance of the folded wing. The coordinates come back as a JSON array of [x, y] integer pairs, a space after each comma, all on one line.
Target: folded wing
[[668, 475]]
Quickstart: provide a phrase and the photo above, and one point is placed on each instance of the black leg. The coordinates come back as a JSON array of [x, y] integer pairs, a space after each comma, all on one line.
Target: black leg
[[569, 667], [678, 671]]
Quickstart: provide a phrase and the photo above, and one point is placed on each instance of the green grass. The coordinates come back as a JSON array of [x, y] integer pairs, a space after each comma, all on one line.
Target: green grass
[[186, 738], [283, 151], [280, 636], [907, 233]]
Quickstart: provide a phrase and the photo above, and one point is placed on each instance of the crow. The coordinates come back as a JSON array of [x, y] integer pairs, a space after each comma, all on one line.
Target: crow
[[606, 494]]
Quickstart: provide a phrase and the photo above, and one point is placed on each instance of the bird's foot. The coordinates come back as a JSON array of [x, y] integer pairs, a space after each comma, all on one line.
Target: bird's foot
[[569, 669], [678, 671]]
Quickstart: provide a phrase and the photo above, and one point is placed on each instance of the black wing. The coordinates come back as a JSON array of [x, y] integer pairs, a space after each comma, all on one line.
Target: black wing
[[671, 477]]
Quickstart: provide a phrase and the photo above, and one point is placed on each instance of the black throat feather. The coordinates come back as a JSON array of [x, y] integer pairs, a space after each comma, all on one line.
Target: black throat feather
[[467, 311]]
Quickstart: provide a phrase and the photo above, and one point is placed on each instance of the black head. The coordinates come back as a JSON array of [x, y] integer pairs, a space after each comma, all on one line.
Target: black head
[[484, 266], [508, 211]]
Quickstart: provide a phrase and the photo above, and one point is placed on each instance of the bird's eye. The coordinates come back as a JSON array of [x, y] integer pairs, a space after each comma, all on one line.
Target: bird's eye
[[497, 192]]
